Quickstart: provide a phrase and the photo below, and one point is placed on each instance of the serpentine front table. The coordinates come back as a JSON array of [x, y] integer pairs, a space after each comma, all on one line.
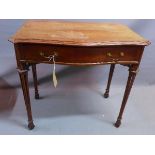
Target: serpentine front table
[[76, 43]]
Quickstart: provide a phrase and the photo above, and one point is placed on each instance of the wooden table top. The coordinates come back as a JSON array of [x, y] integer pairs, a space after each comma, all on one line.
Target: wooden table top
[[77, 33]]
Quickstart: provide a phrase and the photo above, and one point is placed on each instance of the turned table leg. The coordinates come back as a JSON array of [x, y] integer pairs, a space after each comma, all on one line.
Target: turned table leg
[[131, 78], [112, 67], [23, 73], [35, 81]]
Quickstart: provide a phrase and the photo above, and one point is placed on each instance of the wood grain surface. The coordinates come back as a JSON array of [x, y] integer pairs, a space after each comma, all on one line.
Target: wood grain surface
[[77, 33]]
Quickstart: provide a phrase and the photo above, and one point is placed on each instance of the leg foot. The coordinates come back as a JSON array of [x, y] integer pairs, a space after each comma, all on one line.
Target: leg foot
[[31, 125], [118, 123], [106, 94], [36, 96]]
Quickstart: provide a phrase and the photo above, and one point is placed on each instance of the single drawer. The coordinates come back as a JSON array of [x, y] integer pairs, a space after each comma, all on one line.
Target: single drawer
[[122, 55], [79, 55]]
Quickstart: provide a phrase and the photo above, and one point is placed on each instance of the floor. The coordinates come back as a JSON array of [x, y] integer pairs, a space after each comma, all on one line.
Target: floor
[[76, 106]]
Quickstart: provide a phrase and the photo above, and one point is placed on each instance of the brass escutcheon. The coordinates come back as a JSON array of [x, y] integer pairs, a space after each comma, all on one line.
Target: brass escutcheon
[[109, 54], [122, 54], [42, 54]]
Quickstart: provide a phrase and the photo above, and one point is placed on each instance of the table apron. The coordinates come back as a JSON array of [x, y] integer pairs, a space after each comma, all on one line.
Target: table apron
[[70, 55]]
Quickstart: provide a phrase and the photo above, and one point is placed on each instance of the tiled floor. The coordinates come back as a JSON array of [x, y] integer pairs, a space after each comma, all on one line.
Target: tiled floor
[[77, 105]]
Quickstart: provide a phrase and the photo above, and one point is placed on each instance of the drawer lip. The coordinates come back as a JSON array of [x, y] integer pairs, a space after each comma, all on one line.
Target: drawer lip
[[82, 63]]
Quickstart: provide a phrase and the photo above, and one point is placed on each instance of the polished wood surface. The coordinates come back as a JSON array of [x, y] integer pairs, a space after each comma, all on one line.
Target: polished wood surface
[[72, 43], [75, 33]]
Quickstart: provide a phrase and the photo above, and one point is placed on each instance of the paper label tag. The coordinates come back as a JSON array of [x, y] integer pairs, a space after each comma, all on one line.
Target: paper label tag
[[55, 82], [54, 79]]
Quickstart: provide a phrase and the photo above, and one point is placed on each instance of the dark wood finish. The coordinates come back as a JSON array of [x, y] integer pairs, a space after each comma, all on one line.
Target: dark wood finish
[[35, 81], [37, 42], [23, 73], [23, 69], [73, 55], [112, 67], [132, 74]]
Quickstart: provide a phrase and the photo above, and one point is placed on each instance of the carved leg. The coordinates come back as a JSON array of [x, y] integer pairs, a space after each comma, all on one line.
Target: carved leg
[[23, 73], [131, 78], [112, 67], [35, 81]]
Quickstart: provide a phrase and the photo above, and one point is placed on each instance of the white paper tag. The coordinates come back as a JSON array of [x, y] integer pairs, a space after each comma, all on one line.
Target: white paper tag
[[54, 78], [55, 82]]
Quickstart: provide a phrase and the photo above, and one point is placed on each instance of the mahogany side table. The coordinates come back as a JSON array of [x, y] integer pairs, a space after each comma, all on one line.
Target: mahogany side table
[[75, 43]]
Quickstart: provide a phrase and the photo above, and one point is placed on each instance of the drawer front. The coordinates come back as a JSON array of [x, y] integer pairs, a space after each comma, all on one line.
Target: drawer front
[[79, 55]]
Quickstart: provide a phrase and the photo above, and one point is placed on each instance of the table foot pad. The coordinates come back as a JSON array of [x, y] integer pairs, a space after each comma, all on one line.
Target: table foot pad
[[106, 95], [37, 96], [31, 125], [118, 123]]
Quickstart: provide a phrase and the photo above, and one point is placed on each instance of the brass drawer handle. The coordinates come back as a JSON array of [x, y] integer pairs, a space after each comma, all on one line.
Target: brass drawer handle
[[114, 60], [110, 55], [43, 55], [50, 57]]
